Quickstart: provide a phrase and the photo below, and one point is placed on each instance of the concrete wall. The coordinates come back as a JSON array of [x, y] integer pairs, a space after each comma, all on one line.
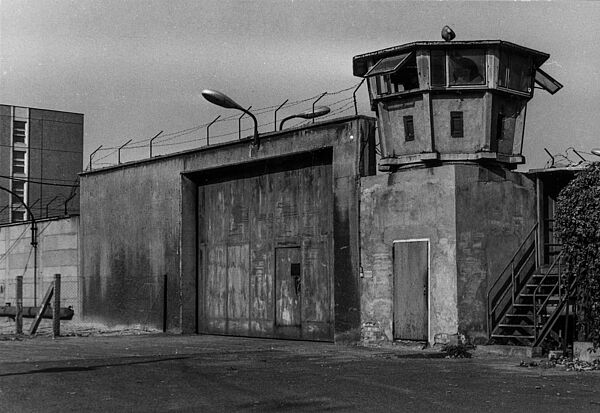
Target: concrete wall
[[58, 253], [495, 210], [139, 222], [475, 218], [412, 204]]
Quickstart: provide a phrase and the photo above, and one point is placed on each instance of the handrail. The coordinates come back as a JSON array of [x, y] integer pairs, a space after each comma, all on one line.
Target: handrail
[[511, 264], [513, 258], [556, 262], [554, 317]]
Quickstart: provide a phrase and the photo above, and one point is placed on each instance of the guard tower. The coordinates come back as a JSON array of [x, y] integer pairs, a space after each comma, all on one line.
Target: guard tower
[[440, 227], [452, 101]]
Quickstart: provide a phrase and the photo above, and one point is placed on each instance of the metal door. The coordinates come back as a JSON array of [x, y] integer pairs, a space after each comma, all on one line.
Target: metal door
[[411, 289], [288, 292]]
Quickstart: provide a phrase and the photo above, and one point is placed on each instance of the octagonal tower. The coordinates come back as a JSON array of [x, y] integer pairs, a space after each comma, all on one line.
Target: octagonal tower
[[452, 101]]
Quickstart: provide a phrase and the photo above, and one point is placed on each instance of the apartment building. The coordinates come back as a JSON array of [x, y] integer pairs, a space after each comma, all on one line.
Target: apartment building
[[41, 153]]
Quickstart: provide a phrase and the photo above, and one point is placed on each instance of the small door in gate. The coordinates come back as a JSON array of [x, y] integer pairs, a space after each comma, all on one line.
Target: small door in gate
[[411, 289], [288, 292]]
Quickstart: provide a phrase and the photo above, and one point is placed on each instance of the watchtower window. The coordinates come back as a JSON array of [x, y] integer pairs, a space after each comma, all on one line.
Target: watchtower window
[[438, 68], [515, 72], [395, 74], [456, 124], [466, 67], [409, 129], [500, 127]]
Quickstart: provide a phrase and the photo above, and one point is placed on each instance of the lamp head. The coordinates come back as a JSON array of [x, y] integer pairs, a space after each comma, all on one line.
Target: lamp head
[[220, 99], [596, 151]]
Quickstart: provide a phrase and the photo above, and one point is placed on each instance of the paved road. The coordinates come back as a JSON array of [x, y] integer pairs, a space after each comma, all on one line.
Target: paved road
[[208, 373]]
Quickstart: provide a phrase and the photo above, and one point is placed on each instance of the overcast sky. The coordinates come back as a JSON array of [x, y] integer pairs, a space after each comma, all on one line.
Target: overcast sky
[[134, 68]]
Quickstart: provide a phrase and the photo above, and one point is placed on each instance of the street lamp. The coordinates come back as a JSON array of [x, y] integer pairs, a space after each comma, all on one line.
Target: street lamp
[[596, 151], [308, 114], [221, 99]]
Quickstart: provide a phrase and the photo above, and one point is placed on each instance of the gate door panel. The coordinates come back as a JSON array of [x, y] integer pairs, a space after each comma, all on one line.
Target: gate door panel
[[264, 249], [411, 279]]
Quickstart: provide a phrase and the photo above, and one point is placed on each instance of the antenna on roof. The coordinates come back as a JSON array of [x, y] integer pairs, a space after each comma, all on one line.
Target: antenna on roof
[[448, 34]]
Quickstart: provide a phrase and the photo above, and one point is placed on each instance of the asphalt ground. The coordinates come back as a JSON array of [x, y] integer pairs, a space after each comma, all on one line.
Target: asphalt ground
[[159, 373]]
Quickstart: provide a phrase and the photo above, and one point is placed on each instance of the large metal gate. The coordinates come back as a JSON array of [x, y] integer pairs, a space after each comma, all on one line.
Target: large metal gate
[[264, 255]]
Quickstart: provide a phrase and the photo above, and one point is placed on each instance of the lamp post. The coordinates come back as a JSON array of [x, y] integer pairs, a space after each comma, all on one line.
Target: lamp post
[[308, 114], [220, 99]]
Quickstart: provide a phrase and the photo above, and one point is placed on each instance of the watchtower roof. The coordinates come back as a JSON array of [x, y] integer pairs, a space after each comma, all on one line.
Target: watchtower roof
[[360, 63]]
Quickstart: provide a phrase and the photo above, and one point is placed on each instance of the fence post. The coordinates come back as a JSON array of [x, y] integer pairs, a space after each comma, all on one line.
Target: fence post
[[56, 307], [19, 315]]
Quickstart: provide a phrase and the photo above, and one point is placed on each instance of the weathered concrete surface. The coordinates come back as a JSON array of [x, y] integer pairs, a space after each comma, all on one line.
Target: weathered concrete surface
[[58, 253], [495, 210], [412, 204], [208, 373], [138, 223], [474, 218]]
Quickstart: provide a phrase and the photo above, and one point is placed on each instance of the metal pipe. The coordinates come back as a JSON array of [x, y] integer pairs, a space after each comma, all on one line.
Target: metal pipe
[[67, 202], [119, 152], [152, 140], [551, 157], [354, 96], [56, 307], [577, 153], [48, 204], [275, 115], [165, 303], [19, 315], [208, 130], [315, 102], [240, 123], [92, 155]]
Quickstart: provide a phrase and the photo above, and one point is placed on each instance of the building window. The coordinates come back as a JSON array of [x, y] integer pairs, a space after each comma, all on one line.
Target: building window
[[18, 215], [19, 162], [18, 187], [466, 67], [19, 132], [456, 124], [409, 129]]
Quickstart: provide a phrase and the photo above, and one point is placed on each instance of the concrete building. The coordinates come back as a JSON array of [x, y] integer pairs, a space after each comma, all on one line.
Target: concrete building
[[437, 231], [41, 153], [254, 241], [301, 238]]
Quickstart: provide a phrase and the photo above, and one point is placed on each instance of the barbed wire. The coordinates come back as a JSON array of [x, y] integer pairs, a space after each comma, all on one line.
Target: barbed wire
[[165, 140]]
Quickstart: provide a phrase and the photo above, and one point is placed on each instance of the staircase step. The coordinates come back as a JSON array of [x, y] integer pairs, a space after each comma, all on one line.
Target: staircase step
[[552, 296], [542, 275], [515, 326], [518, 315], [512, 336], [540, 285]]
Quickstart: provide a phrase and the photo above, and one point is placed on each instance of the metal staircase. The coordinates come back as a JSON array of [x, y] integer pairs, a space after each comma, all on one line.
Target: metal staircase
[[527, 300]]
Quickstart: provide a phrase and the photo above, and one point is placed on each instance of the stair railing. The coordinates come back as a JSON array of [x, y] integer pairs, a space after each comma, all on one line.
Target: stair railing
[[563, 292], [528, 246]]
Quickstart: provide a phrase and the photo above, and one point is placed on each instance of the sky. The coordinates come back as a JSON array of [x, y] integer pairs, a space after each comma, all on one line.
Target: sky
[[135, 68]]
